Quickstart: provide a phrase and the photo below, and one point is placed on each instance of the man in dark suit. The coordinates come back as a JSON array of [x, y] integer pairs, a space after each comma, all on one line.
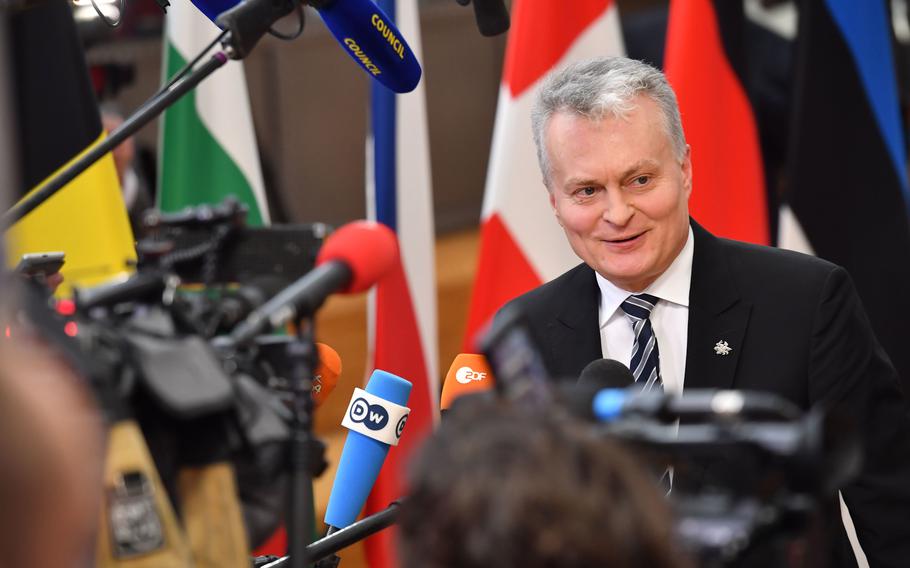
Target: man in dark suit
[[688, 310]]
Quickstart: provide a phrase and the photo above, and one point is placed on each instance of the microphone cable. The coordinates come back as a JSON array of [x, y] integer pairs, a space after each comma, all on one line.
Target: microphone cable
[[301, 21], [121, 6], [110, 21]]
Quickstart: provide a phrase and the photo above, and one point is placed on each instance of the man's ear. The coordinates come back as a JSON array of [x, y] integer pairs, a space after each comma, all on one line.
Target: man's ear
[[552, 197], [686, 166]]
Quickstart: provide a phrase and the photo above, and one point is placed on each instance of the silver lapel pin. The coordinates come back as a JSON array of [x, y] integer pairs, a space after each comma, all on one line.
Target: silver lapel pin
[[722, 348]]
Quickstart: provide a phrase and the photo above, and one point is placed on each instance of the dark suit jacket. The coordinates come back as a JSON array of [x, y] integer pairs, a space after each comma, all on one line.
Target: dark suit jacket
[[796, 328]]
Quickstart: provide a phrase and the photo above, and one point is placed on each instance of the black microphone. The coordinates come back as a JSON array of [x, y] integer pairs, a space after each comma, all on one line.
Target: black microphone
[[605, 374], [598, 375]]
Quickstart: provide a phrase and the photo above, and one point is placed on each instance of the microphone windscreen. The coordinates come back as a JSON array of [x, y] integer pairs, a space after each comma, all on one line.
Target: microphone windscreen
[[362, 457], [368, 248], [598, 375], [370, 37], [327, 373], [605, 374], [469, 373]]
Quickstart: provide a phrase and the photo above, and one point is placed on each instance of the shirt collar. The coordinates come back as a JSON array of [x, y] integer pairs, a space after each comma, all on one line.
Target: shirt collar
[[671, 286]]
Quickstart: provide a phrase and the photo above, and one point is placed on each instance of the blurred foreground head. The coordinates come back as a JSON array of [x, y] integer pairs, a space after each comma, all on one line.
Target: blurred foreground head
[[498, 486], [51, 457]]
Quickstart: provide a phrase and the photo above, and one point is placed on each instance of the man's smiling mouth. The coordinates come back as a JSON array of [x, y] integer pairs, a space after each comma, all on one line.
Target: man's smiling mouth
[[624, 239]]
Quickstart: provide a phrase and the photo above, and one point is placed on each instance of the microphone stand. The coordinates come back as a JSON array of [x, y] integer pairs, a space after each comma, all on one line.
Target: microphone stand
[[366, 527], [245, 24], [306, 453]]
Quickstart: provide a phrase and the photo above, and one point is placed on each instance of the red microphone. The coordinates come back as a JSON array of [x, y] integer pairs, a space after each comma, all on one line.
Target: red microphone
[[353, 258], [469, 373], [366, 248]]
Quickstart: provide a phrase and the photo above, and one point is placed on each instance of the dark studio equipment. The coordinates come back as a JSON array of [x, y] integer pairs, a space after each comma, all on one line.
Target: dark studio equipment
[[353, 259], [196, 403], [153, 349], [750, 480], [752, 473], [202, 401]]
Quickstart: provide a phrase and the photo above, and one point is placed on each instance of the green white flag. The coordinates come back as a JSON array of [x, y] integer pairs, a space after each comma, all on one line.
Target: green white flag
[[207, 146]]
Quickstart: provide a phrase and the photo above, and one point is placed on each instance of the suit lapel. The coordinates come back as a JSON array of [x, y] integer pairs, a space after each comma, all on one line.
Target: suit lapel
[[574, 336], [717, 317]]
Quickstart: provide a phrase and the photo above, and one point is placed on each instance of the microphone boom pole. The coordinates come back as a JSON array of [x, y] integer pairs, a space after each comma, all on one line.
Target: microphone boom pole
[[149, 111], [246, 23]]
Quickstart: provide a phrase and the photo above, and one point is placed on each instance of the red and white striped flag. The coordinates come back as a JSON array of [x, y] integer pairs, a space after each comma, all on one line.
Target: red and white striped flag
[[521, 243], [402, 307]]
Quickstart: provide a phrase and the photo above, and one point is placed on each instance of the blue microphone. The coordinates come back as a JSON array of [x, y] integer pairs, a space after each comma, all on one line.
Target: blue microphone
[[368, 35], [375, 417], [365, 33]]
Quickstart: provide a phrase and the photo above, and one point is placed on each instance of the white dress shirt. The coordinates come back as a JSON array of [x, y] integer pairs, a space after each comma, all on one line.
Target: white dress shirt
[[669, 318]]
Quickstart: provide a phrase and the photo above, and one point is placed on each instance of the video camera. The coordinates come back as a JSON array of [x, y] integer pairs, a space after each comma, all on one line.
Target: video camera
[[145, 344], [750, 471]]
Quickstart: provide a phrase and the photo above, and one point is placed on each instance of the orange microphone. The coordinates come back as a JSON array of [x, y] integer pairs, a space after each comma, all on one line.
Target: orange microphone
[[469, 373], [327, 372]]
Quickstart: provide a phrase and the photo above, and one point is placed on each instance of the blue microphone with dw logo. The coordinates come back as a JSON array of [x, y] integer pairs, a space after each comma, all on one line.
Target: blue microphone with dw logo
[[376, 418]]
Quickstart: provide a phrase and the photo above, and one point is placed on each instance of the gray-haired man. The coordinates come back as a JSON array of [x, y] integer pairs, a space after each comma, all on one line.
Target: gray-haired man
[[687, 310]]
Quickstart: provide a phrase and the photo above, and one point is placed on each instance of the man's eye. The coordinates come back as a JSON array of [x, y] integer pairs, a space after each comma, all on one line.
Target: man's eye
[[641, 180], [586, 191]]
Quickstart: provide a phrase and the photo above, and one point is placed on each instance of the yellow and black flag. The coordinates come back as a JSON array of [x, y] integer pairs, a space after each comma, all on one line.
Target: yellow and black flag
[[57, 119]]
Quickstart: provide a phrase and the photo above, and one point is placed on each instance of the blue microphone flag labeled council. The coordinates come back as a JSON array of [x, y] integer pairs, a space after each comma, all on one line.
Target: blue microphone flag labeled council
[[365, 32], [372, 40]]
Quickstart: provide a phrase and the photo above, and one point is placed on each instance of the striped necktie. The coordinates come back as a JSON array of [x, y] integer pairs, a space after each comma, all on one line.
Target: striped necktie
[[645, 364], [645, 357]]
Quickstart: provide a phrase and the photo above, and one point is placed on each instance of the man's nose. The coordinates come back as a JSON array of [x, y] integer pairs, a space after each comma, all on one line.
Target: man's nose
[[618, 210]]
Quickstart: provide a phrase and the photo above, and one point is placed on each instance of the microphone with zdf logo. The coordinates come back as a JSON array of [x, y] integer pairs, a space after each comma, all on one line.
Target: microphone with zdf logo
[[376, 418], [470, 373], [325, 377]]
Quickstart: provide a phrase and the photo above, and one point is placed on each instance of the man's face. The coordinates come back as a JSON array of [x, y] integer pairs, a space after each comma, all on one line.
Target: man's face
[[619, 192]]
